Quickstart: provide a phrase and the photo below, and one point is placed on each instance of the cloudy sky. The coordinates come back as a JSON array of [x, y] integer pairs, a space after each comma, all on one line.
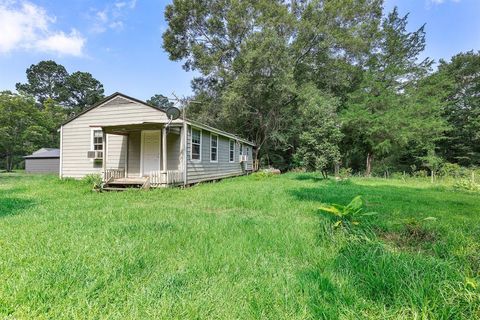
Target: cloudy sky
[[119, 41]]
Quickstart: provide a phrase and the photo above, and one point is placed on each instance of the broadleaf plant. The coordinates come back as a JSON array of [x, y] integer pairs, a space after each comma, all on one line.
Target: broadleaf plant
[[349, 214]]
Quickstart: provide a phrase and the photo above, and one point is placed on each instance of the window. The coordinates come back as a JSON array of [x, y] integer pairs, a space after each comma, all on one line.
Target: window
[[241, 148], [196, 144], [97, 140], [213, 147], [232, 151]]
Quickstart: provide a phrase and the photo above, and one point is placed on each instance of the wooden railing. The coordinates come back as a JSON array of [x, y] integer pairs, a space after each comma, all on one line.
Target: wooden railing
[[112, 174], [169, 177]]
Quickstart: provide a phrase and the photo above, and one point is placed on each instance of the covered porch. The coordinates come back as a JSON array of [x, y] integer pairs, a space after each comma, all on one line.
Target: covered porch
[[143, 155]]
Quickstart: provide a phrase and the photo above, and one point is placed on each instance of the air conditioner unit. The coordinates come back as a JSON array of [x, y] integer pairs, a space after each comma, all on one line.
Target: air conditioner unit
[[243, 158], [95, 155]]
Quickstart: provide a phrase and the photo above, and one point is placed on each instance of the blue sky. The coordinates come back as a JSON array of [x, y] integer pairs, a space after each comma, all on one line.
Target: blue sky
[[120, 43]]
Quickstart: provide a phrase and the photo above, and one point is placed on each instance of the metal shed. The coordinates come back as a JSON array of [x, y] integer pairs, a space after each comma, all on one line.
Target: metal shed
[[45, 160]]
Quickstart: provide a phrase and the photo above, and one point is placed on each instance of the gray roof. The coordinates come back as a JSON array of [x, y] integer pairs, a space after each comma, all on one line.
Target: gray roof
[[44, 153]]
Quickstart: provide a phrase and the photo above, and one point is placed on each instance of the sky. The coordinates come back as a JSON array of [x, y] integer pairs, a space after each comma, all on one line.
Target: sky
[[120, 41]]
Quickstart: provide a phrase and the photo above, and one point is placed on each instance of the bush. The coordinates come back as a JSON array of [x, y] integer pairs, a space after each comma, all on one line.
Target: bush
[[94, 179], [467, 184], [345, 173], [452, 170], [420, 174]]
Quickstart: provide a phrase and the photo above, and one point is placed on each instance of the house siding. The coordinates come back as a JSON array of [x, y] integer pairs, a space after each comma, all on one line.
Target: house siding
[[42, 165], [134, 147], [207, 170], [76, 135]]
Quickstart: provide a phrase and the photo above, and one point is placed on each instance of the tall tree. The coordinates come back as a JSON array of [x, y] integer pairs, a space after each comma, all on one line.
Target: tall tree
[[83, 90], [378, 117], [161, 101], [462, 108], [49, 80], [253, 55], [46, 80]]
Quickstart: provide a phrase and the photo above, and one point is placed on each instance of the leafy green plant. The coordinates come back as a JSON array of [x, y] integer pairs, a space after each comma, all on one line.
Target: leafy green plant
[[94, 179], [467, 184], [349, 214]]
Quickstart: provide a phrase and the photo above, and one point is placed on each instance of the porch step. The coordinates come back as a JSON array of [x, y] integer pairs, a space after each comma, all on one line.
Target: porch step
[[116, 189]]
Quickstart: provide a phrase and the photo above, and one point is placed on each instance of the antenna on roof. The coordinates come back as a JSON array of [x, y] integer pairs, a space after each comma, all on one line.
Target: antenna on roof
[[184, 102]]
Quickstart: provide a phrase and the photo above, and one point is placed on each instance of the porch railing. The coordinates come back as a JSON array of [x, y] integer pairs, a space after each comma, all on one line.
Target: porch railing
[[169, 177], [112, 174]]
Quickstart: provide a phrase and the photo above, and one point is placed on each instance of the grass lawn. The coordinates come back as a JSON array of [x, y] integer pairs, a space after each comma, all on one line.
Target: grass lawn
[[243, 248]]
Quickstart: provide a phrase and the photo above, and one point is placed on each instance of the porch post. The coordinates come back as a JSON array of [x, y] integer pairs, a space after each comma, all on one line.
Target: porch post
[[164, 153], [104, 153]]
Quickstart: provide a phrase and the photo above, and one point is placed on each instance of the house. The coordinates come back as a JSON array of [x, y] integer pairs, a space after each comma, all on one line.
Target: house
[[45, 160], [131, 142]]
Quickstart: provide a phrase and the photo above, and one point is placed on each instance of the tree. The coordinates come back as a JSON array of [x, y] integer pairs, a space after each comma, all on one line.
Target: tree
[[321, 134], [160, 101], [83, 90], [20, 126], [462, 111], [377, 117], [254, 55], [49, 80], [46, 80]]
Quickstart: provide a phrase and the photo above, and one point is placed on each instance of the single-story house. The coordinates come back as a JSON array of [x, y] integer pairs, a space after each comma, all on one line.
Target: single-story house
[[44, 160], [131, 142]]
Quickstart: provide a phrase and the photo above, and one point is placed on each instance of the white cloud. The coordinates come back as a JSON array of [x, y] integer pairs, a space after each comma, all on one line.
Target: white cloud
[[112, 16], [440, 1], [26, 26]]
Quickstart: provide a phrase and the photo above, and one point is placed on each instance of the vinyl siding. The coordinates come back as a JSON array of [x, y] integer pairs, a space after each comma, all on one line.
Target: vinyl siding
[[42, 165], [76, 139], [134, 141], [173, 151], [207, 170]]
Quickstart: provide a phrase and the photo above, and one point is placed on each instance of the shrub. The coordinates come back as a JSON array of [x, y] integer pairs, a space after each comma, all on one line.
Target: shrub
[[347, 215], [94, 179], [345, 173], [467, 184], [420, 174], [451, 170]]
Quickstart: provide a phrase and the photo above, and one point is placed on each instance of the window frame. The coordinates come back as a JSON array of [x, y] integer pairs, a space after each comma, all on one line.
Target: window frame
[[211, 147], [92, 139], [231, 143], [241, 149], [191, 145]]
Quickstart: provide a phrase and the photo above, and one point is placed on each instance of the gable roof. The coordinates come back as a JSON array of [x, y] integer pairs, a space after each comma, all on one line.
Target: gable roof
[[190, 122], [44, 153], [106, 99]]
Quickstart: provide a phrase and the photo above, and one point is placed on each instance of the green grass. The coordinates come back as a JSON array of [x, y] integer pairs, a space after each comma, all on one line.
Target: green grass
[[243, 248]]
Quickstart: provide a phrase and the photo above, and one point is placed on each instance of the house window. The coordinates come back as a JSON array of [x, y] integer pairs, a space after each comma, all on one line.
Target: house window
[[213, 148], [97, 142], [232, 151], [241, 148], [196, 144]]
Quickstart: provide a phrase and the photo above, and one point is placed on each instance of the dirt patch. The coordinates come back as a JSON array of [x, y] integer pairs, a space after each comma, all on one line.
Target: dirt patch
[[413, 236]]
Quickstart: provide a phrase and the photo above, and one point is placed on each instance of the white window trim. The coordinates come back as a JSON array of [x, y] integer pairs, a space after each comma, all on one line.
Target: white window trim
[[211, 136], [229, 144], [191, 144], [92, 130]]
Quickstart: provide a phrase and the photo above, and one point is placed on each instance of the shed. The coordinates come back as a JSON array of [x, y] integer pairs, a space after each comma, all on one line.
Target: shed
[[45, 160]]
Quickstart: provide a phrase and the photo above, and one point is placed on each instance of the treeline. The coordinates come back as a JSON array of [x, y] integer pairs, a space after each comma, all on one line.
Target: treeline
[[327, 84], [30, 118]]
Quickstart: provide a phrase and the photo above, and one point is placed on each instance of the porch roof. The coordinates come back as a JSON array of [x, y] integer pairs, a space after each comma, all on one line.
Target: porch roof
[[124, 129]]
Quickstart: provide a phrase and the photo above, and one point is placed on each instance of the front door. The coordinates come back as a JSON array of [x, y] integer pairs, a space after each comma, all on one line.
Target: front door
[[151, 151]]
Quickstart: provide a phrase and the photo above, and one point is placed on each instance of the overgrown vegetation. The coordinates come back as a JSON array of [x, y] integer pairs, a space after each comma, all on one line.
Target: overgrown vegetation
[[322, 84], [242, 248]]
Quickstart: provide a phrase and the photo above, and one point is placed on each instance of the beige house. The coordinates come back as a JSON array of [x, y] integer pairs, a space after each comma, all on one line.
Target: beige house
[[132, 143]]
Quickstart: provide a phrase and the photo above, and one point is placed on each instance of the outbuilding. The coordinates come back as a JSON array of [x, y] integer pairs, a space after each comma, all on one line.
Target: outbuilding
[[45, 160]]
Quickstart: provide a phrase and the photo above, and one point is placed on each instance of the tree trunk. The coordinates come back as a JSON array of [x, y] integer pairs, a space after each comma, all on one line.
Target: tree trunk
[[337, 169], [8, 164], [368, 171]]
